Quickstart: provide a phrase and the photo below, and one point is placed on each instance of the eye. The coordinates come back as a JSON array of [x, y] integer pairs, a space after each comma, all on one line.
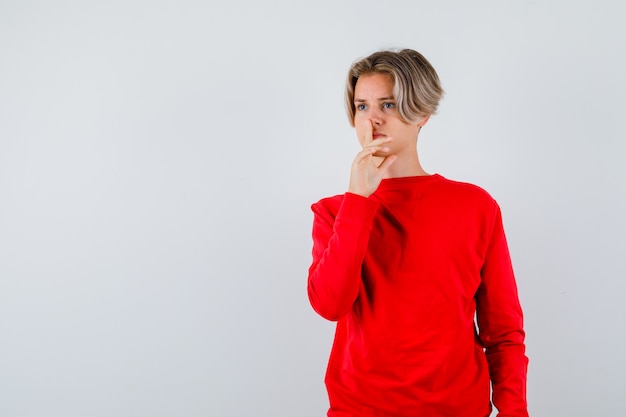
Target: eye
[[361, 106], [388, 105]]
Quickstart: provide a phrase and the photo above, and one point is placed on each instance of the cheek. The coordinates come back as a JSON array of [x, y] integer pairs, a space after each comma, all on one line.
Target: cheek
[[359, 135], [358, 126]]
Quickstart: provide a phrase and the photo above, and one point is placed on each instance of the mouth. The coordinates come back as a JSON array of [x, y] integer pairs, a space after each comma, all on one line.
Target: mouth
[[377, 135]]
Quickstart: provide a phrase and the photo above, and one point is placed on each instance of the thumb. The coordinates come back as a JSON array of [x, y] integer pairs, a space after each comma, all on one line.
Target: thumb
[[387, 162]]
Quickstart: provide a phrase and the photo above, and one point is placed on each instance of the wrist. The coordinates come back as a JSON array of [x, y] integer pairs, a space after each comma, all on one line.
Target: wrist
[[361, 193]]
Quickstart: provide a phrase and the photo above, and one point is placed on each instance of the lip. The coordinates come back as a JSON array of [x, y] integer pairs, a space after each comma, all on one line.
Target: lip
[[377, 135]]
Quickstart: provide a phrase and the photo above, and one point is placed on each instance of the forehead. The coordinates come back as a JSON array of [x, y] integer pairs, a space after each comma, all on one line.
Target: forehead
[[375, 85]]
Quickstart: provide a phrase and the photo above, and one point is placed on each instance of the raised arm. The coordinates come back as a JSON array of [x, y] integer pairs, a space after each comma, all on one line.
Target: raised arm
[[341, 235], [339, 245]]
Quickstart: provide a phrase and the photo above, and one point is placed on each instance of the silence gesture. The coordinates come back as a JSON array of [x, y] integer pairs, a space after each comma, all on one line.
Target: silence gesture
[[371, 163]]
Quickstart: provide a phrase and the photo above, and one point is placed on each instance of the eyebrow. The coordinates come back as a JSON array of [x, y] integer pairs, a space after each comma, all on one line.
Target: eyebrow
[[360, 100]]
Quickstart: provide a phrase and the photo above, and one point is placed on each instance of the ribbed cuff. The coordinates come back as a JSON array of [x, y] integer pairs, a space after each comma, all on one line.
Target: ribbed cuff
[[356, 208]]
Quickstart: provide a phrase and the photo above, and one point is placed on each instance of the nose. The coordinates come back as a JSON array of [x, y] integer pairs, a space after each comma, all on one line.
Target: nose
[[376, 117]]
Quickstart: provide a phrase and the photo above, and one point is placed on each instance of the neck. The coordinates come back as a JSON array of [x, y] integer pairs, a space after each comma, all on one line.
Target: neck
[[404, 168], [407, 165]]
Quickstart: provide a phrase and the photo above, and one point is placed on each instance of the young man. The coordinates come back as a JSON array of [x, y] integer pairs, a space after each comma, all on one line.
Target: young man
[[404, 261]]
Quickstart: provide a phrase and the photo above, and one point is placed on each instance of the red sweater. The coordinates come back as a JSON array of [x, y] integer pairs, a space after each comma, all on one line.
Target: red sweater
[[404, 273]]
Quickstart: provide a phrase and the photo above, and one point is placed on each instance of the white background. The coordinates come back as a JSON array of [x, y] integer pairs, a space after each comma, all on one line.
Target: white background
[[158, 160]]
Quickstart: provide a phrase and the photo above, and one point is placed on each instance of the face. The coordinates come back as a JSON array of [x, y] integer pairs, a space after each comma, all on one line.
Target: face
[[374, 104]]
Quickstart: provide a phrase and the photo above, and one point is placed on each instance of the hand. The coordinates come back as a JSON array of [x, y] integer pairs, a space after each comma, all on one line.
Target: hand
[[367, 169]]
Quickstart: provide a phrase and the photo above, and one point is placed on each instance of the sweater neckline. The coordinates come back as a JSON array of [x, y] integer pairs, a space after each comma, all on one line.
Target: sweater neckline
[[398, 182], [404, 188]]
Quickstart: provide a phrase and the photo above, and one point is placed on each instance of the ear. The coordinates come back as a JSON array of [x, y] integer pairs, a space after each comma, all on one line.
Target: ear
[[423, 121]]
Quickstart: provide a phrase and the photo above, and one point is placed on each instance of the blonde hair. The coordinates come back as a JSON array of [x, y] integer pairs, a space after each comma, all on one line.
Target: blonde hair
[[417, 89]]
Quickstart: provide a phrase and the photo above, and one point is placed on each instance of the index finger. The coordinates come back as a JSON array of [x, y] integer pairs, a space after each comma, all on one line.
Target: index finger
[[368, 130]]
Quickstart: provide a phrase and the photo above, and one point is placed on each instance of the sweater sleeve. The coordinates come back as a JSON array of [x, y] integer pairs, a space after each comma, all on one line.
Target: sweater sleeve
[[500, 323], [339, 246]]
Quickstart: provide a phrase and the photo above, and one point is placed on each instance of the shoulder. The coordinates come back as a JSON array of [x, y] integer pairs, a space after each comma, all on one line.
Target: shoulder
[[469, 198], [460, 190]]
